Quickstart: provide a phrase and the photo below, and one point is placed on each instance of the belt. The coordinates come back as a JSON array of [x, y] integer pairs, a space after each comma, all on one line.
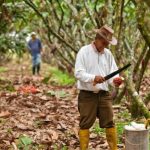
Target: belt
[[95, 92]]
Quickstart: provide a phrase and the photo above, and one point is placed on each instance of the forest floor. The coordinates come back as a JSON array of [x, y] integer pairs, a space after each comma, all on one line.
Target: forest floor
[[36, 115]]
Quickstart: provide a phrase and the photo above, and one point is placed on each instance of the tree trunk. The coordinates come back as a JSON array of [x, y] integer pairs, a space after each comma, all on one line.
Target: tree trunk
[[138, 107]]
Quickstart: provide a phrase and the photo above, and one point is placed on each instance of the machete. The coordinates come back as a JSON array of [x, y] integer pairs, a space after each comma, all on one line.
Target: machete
[[116, 72]]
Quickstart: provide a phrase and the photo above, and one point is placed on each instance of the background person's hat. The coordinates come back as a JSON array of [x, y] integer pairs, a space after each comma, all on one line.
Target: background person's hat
[[33, 33], [107, 33]]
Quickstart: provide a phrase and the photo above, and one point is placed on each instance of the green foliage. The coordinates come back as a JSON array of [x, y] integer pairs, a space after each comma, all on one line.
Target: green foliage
[[2, 121], [130, 10], [64, 147], [6, 85], [124, 115], [3, 69], [51, 93], [59, 94], [14, 16], [24, 142], [12, 43], [46, 79], [120, 130], [60, 78], [38, 123], [10, 131], [9, 88], [120, 127], [96, 129], [124, 118]]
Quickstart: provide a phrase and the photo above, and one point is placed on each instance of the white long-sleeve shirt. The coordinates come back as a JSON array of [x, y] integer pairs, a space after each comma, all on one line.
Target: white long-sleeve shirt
[[89, 63]]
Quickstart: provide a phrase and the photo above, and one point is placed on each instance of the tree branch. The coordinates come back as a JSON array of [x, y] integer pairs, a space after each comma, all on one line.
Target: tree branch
[[30, 3], [136, 68], [138, 107], [89, 13], [145, 64], [62, 15]]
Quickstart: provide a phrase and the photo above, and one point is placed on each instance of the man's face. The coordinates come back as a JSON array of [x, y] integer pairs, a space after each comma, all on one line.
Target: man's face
[[101, 44], [33, 36]]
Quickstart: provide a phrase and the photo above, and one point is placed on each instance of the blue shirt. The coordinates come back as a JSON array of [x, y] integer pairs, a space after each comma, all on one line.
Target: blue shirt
[[34, 47]]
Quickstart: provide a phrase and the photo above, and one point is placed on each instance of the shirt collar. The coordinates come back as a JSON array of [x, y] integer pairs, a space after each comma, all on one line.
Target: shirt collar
[[94, 47]]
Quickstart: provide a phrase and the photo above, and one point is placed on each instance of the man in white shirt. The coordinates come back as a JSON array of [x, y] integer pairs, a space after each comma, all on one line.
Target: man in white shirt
[[93, 63]]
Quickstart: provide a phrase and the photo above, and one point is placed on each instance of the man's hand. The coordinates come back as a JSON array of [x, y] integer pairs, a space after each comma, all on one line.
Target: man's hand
[[98, 79], [118, 81]]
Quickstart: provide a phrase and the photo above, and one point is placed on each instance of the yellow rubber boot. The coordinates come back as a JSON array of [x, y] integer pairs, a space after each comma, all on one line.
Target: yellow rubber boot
[[84, 139], [111, 135]]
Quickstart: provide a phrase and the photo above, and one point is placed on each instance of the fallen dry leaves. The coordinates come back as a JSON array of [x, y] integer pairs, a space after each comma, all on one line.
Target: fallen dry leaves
[[49, 117], [47, 114], [4, 114]]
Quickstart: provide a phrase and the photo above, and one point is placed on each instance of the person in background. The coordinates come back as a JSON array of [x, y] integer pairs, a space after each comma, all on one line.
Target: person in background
[[35, 48], [93, 63]]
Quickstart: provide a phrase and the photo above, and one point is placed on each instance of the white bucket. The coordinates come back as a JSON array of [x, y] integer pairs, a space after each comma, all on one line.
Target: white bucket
[[136, 139]]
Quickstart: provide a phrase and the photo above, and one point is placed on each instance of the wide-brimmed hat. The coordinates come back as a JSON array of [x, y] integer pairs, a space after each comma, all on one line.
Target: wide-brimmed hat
[[107, 33]]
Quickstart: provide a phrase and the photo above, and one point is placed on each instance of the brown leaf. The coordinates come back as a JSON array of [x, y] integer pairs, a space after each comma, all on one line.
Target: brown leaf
[[23, 127], [93, 135], [29, 104], [42, 115], [44, 97], [53, 134], [104, 146], [14, 146], [5, 114], [76, 130]]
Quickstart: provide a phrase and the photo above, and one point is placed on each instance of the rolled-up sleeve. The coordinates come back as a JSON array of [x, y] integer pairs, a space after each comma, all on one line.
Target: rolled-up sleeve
[[80, 68]]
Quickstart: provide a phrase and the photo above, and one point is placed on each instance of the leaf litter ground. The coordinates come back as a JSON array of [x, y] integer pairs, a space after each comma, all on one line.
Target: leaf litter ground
[[38, 116]]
